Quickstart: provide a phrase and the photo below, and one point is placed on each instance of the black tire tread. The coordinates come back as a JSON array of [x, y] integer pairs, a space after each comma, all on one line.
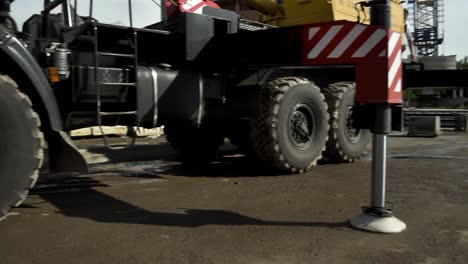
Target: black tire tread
[[334, 95], [18, 196], [264, 138]]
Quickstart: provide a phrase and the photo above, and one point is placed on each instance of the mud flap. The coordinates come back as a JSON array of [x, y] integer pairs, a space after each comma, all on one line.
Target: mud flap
[[64, 156]]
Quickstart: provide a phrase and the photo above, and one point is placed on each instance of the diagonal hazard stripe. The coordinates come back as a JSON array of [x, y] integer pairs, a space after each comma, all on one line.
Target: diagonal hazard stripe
[[370, 43], [395, 70], [313, 32], [198, 8], [392, 43], [347, 41], [323, 43], [397, 88], [384, 53], [396, 63]]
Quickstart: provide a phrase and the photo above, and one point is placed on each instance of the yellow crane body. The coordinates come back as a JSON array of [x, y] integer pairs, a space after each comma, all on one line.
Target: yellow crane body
[[301, 12]]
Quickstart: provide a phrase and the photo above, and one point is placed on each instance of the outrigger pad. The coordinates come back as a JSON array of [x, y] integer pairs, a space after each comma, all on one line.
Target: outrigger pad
[[378, 224]]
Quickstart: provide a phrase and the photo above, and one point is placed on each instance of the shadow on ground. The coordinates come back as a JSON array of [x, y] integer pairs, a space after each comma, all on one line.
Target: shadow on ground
[[225, 165], [74, 196], [97, 206]]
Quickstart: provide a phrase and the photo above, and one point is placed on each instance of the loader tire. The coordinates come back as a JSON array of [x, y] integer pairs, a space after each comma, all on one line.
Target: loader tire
[[194, 144], [21, 146], [290, 128], [346, 143]]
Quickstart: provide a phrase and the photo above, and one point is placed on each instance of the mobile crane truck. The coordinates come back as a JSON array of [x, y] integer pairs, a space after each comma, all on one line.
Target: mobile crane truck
[[286, 95]]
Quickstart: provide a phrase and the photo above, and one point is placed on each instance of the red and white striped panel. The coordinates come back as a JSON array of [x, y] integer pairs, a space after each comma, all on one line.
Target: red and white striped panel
[[395, 65], [376, 52], [342, 42], [195, 6]]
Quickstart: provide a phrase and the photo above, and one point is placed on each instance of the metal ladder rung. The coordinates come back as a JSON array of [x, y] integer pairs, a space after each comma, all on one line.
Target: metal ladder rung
[[99, 83], [118, 113], [110, 54], [118, 84]]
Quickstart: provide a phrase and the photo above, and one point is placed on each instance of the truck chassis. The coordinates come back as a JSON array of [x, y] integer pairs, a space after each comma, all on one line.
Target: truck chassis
[[288, 96]]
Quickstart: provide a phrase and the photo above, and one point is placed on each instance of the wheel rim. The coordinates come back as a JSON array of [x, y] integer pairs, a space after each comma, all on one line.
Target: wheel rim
[[352, 133], [301, 127]]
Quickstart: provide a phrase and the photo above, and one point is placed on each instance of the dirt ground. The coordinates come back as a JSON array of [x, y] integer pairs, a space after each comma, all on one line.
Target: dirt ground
[[142, 206]]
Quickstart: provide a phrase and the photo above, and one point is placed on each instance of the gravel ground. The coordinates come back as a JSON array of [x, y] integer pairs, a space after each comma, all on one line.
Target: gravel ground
[[142, 206]]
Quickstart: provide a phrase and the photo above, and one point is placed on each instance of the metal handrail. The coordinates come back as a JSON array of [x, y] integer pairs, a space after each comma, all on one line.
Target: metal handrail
[[50, 5]]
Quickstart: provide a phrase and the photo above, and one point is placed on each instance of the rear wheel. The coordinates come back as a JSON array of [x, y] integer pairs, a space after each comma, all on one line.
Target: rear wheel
[[346, 142], [290, 128], [21, 147]]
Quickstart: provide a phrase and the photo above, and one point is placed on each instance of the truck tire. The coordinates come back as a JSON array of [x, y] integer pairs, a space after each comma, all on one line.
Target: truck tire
[[290, 129], [194, 144], [21, 147], [345, 142]]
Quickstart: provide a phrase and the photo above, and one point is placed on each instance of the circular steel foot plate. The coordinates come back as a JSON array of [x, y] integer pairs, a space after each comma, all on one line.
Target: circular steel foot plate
[[377, 224]]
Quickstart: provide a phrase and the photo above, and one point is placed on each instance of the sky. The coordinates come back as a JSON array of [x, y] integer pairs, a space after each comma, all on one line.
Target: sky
[[146, 12], [456, 28]]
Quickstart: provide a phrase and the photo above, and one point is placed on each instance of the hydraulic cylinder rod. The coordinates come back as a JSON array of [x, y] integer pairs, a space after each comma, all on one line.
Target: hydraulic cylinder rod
[[380, 16]]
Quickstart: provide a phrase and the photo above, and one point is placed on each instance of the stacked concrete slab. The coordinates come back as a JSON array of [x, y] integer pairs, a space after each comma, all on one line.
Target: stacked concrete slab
[[424, 126]]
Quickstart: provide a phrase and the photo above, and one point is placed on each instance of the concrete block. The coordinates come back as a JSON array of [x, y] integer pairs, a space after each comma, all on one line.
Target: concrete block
[[439, 62], [424, 126]]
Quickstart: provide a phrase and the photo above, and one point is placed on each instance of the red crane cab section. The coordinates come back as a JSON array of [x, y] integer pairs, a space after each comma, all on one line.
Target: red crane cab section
[[375, 52], [192, 6]]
